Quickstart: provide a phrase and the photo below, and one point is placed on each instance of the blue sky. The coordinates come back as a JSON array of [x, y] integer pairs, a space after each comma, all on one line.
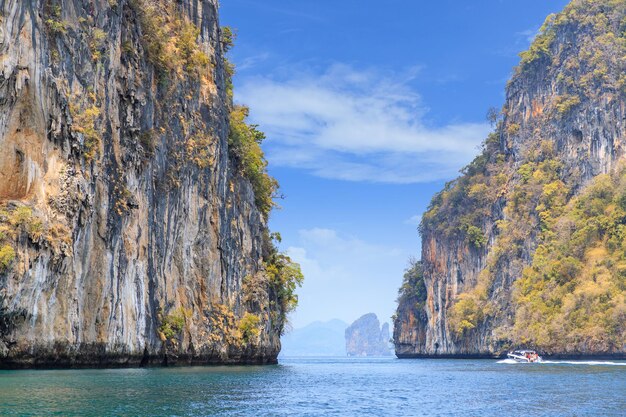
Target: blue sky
[[369, 108]]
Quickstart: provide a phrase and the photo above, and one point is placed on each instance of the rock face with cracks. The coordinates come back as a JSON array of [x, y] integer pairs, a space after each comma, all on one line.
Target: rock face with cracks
[[527, 247], [128, 235]]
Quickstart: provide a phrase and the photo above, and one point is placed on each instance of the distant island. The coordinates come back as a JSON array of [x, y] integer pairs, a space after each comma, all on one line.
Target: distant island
[[365, 337]]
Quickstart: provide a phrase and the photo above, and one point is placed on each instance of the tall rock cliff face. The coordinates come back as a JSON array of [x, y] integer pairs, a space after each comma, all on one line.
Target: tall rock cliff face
[[128, 234], [527, 247]]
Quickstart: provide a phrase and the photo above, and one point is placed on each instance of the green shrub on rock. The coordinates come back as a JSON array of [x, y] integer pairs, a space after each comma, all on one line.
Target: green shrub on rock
[[7, 255], [244, 147], [249, 328]]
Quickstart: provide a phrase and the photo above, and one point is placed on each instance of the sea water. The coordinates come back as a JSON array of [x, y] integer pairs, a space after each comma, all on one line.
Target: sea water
[[325, 386]]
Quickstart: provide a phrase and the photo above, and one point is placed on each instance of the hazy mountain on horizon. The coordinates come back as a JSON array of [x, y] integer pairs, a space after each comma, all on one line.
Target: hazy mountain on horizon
[[366, 337], [320, 338]]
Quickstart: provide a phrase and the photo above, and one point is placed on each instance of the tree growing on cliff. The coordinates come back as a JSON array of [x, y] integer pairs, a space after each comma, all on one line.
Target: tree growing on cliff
[[413, 287], [244, 147]]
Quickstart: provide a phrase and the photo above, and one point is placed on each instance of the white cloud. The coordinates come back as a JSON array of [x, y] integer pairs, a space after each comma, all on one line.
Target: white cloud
[[346, 245], [529, 35], [414, 220], [357, 126], [252, 61], [345, 277]]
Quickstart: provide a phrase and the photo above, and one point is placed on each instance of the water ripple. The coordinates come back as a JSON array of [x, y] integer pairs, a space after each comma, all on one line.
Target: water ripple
[[323, 386]]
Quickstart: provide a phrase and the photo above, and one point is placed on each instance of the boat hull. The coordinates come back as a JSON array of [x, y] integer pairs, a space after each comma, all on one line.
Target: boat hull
[[523, 359]]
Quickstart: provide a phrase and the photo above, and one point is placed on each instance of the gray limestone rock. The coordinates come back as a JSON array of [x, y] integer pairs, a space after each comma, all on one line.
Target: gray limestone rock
[[558, 104], [138, 219]]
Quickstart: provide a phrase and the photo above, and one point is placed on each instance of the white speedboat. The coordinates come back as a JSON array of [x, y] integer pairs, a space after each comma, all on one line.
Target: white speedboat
[[524, 356]]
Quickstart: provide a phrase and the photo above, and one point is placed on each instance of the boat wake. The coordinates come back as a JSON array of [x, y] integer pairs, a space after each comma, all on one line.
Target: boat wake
[[594, 363], [589, 363]]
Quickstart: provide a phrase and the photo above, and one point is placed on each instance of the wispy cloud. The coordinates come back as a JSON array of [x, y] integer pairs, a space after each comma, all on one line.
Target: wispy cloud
[[345, 245], [346, 275], [357, 126], [414, 220], [522, 41], [528, 35], [252, 61]]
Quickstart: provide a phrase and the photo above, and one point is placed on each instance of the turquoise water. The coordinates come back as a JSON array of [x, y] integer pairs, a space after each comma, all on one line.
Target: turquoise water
[[339, 386]]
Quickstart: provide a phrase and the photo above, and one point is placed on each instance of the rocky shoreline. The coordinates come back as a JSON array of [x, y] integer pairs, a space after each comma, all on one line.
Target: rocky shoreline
[[96, 356]]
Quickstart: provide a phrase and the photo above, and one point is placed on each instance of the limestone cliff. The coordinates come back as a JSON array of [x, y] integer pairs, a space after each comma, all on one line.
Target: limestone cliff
[[526, 248], [129, 232], [365, 337]]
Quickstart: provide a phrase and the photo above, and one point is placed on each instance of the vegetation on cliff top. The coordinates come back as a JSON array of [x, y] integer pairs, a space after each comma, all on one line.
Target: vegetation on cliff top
[[590, 61]]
